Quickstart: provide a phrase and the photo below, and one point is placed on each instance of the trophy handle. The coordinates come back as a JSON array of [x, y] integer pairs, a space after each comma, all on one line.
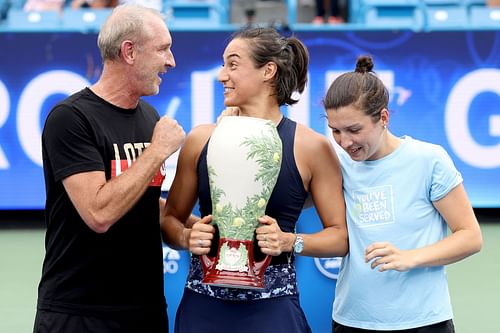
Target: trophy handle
[[261, 266], [207, 262]]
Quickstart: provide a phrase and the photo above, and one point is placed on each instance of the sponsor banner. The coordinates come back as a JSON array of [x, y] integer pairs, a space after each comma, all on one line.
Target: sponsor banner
[[447, 95]]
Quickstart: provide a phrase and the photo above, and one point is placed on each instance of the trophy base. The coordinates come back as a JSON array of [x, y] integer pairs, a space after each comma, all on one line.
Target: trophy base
[[234, 266], [230, 280]]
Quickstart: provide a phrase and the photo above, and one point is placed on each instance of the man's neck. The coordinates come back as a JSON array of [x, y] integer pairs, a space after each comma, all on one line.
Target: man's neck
[[114, 87]]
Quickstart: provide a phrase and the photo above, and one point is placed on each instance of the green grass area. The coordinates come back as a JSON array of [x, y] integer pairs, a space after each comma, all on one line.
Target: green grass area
[[21, 254], [474, 286]]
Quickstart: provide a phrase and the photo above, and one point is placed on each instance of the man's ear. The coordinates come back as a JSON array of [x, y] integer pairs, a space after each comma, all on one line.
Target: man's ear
[[128, 49]]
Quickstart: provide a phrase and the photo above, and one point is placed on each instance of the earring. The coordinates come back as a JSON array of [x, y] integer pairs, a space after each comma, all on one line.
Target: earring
[[385, 126]]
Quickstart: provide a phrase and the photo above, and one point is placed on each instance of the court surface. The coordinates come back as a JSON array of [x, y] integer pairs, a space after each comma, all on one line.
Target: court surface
[[474, 282]]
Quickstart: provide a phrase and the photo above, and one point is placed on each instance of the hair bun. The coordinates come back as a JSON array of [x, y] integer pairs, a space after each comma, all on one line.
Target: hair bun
[[364, 64]]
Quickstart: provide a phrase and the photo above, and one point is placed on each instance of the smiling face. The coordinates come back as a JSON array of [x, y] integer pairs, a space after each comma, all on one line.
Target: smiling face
[[243, 82], [360, 135], [154, 57]]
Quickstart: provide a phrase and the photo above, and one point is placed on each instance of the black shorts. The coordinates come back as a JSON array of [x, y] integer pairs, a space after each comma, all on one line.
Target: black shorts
[[50, 322], [442, 327]]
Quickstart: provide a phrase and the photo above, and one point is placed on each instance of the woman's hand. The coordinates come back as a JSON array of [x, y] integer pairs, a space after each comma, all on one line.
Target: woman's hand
[[229, 111], [386, 257], [271, 239], [201, 235]]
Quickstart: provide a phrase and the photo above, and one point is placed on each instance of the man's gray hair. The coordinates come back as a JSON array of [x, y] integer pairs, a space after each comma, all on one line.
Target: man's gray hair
[[126, 22]]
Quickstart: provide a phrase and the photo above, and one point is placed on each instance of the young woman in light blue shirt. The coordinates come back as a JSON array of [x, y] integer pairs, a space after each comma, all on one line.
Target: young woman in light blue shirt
[[402, 195]]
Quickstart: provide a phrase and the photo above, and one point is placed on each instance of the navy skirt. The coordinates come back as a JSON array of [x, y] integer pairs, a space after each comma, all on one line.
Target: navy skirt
[[201, 313]]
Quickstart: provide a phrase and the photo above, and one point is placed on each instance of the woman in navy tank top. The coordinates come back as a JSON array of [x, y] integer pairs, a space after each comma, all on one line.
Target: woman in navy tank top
[[261, 71]]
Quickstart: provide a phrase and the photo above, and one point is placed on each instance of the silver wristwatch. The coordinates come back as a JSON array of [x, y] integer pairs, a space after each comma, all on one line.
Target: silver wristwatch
[[298, 246]]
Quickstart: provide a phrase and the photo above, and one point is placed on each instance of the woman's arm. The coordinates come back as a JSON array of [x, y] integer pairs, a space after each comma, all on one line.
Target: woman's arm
[[465, 239], [326, 191], [183, 192], [320, 171]]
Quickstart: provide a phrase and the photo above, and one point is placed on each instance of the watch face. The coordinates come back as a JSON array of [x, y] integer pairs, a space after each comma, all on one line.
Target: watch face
[[299, 245]]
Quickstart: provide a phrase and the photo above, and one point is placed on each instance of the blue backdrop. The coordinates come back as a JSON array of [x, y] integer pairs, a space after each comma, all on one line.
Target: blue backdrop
[[445, 88]]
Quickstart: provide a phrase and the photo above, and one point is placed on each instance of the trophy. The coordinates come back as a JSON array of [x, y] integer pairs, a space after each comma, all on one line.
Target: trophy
[[244, 161]]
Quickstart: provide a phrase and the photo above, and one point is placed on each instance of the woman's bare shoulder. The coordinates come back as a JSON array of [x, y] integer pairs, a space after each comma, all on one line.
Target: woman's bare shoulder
[[311, 139]]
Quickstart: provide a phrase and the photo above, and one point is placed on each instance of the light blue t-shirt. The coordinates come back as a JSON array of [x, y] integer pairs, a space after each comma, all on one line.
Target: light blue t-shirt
[[390, 199]]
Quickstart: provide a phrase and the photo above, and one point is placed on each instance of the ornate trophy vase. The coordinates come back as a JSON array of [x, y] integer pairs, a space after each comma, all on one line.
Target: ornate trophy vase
[[244, 160]]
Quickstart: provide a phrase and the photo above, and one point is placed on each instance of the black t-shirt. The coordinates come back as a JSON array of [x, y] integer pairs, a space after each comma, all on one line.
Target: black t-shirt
[[119, 271]]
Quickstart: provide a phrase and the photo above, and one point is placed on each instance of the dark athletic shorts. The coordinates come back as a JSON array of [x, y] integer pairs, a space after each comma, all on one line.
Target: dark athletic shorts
[[442, 327], [199, 313], [51, 322]]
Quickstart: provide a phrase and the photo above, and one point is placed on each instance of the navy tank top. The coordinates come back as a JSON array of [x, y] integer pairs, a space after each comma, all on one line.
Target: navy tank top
[[285, 205]]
